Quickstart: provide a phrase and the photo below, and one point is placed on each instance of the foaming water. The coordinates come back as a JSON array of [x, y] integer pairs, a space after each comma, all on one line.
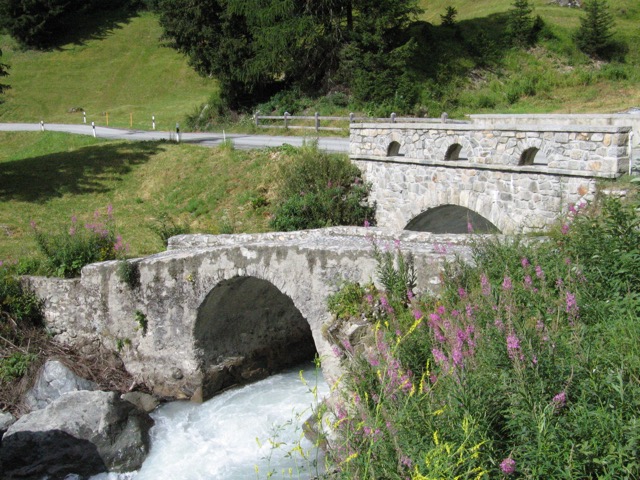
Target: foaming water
[[230, 437]]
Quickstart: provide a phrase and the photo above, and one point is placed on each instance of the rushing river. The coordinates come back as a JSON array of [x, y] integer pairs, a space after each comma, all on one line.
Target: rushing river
[[230, 436]]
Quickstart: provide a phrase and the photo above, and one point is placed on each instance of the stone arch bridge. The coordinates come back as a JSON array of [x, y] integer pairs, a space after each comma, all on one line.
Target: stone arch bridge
[[512, 174], [213, 311]]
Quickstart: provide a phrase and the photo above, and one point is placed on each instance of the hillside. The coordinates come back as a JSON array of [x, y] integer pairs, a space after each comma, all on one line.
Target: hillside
[[551, 77], [47, 178], [121, 67]]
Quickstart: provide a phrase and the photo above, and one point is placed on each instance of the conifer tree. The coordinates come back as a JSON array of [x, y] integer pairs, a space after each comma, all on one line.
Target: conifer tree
[[3, 73], [520, 23], [596, 28]]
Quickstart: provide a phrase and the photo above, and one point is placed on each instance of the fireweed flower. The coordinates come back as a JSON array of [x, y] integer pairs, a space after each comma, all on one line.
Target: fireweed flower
[[513, 346], [539, 272], [528, 283], [506, 283], [571, 306], [417, 314], [508, 466], [524, 262], [462, 293], [486, 287], [560, 400], [564, 229]]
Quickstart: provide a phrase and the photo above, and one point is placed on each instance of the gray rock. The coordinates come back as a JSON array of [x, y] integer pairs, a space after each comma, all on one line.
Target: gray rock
[[82, 433], [54, 380], [6, 420], [145, 402]]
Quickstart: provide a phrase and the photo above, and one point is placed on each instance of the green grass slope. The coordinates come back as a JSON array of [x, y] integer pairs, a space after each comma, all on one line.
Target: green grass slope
[[121, 68], [553, 76], [48, 177]]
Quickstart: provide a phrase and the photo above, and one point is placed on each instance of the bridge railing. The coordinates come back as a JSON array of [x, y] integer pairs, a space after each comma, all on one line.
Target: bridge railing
[[315, 122]]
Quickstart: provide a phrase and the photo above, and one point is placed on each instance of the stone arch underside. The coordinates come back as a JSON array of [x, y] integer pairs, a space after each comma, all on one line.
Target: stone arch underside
[[247, 329], [451, 219]]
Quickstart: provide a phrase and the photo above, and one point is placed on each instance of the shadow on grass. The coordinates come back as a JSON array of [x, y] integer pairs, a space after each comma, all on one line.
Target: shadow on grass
[[91, 169]]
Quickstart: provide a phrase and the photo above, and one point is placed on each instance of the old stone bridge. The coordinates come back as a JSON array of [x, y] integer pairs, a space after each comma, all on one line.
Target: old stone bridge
[[512, 174], [213, 311], [219, 310]]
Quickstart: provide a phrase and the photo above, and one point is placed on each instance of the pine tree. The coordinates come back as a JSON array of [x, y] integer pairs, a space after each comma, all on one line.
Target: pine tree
[[520, 23], [3, 73], [596, 28]]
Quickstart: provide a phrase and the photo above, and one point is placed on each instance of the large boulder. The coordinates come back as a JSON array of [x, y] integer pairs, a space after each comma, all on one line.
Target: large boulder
[[83, 433], [54, 379], [6, 420]]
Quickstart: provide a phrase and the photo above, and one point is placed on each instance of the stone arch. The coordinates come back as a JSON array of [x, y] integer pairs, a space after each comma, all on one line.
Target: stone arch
[[455, 147], [453, 152], [393, 150], [451, 219], [247, 329], [533, 152]]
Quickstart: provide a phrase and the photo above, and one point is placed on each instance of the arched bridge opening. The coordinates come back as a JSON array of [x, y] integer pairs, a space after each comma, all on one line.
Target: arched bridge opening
[[451, 219], [247, 329]]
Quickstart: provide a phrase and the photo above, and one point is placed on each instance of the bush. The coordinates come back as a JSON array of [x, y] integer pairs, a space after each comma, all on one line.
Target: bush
[[511, 371], [19, 308], [318, 190], [66, 252]]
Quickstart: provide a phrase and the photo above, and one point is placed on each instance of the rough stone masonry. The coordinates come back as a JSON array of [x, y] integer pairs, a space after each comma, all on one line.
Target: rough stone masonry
[[519, 177]]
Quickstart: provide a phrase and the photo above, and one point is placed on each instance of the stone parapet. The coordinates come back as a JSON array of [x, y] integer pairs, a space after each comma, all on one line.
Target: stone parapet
[[597, 151]]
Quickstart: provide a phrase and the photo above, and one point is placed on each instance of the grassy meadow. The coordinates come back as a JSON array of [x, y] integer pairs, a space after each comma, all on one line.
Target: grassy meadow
[[48, 177], [120, 68]]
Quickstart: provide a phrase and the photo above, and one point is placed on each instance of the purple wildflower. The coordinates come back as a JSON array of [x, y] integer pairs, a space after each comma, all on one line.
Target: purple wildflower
[[366, 223], [508, 466], [539, 272], [565, 229], [469, 227], [524, 262], [417, 314], [506, 283], [486, 287], [513, 346], [528, 283], [462, 293], [560, 400]]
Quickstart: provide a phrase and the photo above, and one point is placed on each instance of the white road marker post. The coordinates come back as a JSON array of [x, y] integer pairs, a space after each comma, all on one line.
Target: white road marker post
[[93, 126]]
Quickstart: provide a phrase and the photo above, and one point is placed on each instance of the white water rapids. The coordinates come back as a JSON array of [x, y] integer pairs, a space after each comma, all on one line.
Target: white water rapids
[[230, 436]]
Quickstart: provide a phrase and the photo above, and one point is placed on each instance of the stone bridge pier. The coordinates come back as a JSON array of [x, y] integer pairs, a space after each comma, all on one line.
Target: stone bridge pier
[[215, 311]]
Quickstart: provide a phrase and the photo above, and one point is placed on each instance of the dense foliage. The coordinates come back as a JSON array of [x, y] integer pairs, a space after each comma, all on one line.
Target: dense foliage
[[526, 365], [257, 49], [318, 190]]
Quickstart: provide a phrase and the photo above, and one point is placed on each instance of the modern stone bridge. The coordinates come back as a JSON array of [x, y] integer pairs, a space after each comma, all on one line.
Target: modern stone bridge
[[498, 173], [218, 310]]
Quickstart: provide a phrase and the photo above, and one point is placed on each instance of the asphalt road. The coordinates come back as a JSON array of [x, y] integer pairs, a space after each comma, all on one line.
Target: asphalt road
[[330, 144]]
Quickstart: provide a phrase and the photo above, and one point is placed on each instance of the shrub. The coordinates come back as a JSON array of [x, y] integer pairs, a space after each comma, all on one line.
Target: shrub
[[19, 308], [15, 366], [511, 370], [66, 252], [166, 227], [317, 190]]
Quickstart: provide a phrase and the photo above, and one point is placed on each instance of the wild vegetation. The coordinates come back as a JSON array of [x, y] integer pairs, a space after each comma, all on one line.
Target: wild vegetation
[[526, 365]]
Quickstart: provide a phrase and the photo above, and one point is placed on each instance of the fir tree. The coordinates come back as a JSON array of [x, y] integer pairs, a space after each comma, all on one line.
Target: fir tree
[[596, 28], [520, 23], [3, 73]]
